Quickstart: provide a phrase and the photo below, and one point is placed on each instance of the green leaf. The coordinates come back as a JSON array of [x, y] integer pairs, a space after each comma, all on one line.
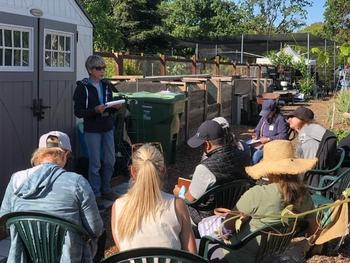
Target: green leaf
[[286, 212], [346, 192], [238, 224]]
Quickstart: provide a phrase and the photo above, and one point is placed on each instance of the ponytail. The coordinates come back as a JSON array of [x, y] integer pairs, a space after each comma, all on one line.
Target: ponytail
[[144, 197]]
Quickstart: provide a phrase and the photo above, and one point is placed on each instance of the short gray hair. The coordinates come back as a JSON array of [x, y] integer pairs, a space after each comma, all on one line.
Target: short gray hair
[[94, 61]]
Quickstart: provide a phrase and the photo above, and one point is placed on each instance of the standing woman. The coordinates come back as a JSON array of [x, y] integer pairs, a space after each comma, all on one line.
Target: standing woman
[[271, 126], [90, 97], [146, 216]]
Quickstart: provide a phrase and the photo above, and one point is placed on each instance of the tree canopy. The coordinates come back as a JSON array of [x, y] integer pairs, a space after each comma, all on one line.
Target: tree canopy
[[276, 16], [202, 18], [337, 20], [147, 25]]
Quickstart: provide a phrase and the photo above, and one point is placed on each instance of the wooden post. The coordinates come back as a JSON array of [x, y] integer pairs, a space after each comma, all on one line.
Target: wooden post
[[187, 112], [194, 65], [217, 65], [162, 65], [119, 68], [234, 69], [259, 77], [219, 98]]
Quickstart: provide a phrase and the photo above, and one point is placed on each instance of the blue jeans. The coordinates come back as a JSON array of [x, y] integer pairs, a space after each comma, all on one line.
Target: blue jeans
[[100, 146], [257, 156]]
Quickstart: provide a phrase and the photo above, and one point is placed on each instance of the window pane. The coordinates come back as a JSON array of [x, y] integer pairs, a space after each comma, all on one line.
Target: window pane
[[48, 41], [48, 59], [1, 55], [17, 38], [61, 59], [61, 43], [68, 43], [67, 60], [17, 57], [54, 40], [25, 39], [0, 37], [8, 38], [25, 58], [8, 57], [54, 59]]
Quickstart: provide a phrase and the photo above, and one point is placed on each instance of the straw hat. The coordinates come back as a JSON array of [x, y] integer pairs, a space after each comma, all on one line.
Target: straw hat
[[278, 160]]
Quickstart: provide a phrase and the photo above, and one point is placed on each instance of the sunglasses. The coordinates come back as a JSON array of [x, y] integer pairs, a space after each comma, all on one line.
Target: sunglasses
[[100, 68], [137, 146]]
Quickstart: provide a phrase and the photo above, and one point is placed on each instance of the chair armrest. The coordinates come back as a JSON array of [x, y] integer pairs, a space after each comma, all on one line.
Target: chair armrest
[[204, 246], [321, 186]]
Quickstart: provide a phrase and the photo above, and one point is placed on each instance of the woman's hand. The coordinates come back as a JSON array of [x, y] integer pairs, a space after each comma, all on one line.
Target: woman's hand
[[264, 140], [100, 108], [176, 190]]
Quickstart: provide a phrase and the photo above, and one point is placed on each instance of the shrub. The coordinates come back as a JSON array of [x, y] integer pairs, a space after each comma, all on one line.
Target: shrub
[[132, 67], [342, 104]]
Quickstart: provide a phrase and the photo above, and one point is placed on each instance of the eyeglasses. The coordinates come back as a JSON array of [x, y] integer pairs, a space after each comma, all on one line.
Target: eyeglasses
[[100, 68], [137, 146]]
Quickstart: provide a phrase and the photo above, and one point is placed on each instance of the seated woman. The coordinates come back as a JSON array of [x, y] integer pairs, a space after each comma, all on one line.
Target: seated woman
[[48, 188], [281, 169], [310, 133], [313, 141], [271, 126], [146, 216]]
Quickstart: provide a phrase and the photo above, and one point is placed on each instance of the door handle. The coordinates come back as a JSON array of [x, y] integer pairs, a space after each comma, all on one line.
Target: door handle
[[41, 109], [38, 108]]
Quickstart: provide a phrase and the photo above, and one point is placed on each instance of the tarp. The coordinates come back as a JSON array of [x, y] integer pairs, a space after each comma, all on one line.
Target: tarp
[[289, 51]]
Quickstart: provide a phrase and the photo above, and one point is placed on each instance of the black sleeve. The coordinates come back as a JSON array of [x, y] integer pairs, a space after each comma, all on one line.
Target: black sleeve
[[79, 98]]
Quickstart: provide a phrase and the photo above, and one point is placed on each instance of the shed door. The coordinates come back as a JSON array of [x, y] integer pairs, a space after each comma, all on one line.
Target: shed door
[[37, 75]]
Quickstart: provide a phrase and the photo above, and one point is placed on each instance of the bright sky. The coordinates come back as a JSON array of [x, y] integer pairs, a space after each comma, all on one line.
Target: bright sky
[[315, 12]]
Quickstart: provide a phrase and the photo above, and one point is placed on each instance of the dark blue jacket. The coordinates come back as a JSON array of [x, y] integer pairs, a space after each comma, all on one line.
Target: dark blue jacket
[[277, 129], [86, 99]]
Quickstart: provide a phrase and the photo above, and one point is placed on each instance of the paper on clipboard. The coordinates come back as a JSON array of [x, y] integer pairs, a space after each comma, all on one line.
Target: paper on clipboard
[[113, 103], [252, 141]]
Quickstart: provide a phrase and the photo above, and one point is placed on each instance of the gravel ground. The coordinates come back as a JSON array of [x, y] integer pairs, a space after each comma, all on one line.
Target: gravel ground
[[187, 158]]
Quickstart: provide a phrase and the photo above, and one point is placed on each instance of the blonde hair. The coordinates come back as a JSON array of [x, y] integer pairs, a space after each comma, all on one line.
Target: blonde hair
[[56, 154], [144, 196]]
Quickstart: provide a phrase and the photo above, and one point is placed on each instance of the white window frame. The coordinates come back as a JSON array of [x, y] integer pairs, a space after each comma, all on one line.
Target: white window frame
[[72, 51], [30, 30]]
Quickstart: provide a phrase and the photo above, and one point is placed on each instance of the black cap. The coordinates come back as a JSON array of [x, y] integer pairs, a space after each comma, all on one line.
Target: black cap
[[302, 113], [209, 130]]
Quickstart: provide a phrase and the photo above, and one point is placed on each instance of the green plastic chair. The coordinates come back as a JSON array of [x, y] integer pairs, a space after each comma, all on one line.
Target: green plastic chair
[[320, 173], [274, 240], [330, 187], [43, 235], [154, 254], [225, 195]]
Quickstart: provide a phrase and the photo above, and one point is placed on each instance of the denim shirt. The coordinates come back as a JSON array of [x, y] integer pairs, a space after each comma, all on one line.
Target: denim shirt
[[50, 189]]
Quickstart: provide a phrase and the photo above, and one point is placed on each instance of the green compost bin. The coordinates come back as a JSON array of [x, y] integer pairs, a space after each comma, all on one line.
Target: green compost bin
[[155, 117]]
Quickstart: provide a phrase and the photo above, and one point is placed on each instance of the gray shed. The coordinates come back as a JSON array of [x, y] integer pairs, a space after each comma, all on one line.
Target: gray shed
[[43, 47]]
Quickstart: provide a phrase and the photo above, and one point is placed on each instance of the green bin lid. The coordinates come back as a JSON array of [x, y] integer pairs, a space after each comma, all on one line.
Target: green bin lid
[[160, 97]]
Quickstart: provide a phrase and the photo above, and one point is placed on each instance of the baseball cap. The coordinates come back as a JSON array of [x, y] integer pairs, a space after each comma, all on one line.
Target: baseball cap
[[222, 121], [209, 130], [302, 113], [267, 107], [61, 142]]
